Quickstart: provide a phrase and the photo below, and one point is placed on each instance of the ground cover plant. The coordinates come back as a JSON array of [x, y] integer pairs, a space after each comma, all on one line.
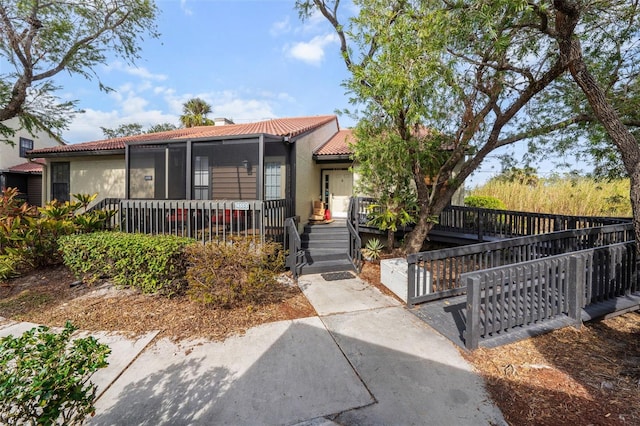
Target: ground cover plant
[[44, 376]]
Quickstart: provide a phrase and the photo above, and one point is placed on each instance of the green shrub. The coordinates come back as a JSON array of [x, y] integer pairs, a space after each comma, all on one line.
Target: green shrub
[[150, 263], [11, 265], [237, 273], [44, 377], [484, 202], [373, 249], [32, 233]]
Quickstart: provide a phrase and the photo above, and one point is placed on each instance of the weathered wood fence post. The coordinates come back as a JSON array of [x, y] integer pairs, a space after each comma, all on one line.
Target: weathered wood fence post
[[576, 282]]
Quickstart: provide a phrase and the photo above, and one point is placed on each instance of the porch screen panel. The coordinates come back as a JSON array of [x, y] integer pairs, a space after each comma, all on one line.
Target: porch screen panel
[[232, 183], [147, 172], [176, 171], [233, 168], [158, 171]]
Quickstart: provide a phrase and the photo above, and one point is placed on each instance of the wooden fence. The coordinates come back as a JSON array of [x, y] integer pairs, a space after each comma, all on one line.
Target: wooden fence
[[206, 220], [437, 274], [502, 299]]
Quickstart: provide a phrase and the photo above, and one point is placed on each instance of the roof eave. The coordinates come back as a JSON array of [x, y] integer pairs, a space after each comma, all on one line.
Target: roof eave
[[333, 157], [60, 154]]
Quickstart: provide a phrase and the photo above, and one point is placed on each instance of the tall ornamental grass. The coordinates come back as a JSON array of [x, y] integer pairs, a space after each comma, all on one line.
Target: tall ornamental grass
[[571, 196]]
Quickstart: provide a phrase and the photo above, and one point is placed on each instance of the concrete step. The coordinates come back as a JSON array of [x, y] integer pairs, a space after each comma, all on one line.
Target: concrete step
[[330, 227], [327, 266], [341, 236], [319, 255], [319, 244]]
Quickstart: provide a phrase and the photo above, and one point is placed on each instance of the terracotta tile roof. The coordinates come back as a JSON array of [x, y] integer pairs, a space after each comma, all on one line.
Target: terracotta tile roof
[[337, 145], [29, 167], [278, 127]]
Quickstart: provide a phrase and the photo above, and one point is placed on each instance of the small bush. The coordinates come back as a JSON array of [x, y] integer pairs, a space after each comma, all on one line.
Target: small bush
[[32, 233], [44, 377], [237, 273], [12, 264], [483, 202], [150, 263]]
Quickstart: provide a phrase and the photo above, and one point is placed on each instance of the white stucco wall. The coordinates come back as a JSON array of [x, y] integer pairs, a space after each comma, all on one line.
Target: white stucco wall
[[90, 175], [10, 155]]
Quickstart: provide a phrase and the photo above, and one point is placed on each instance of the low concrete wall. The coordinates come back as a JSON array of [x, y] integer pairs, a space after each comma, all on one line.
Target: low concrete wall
[[394, 275]]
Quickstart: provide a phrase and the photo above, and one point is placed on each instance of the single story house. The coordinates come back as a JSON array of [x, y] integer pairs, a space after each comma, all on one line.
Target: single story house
[[300, 159]]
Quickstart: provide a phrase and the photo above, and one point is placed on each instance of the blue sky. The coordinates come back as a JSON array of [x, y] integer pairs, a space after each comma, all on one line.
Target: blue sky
[[249, 59]]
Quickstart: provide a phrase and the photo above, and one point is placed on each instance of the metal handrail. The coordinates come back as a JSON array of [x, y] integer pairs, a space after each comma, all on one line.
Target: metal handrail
[[355, 242]]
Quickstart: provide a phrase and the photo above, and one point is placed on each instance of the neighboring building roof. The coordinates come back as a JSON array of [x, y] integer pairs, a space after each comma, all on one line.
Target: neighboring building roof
[[337, 146], [34, 167], [290, 127]]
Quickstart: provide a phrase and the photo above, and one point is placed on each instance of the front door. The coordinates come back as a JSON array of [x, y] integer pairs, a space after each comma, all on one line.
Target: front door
[[338, 188]]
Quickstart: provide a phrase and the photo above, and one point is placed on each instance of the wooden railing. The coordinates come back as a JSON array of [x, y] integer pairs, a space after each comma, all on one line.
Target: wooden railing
[[502, 299], [293, 246], [436, 274], [482, 224], [206, 220], [355, 242], [109, 204]]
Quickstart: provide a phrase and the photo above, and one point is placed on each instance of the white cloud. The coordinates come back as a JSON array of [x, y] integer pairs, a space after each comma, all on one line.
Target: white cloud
[[186, 9], [136, 71], [311, 52], [145, 73], [280, 27], [163, 104]]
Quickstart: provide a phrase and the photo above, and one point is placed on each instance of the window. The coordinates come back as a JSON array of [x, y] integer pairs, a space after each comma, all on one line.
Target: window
[[201, 178], [60, 182], [272, 181], [25, 145]]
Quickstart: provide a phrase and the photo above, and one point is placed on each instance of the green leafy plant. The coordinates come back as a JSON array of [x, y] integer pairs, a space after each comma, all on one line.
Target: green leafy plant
[[44, 377], [31, 233], [150, 263], [484, 202], [373, 249], [237, 273]]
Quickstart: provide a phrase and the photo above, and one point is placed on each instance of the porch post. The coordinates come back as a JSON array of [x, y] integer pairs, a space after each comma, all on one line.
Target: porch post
[[127, 170], [261, 168], [188, 193]]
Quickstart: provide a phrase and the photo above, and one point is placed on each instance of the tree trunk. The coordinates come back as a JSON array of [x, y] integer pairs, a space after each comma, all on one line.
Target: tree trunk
[[625, 142]]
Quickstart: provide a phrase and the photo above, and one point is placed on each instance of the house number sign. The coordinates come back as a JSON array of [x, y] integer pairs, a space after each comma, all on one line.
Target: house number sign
[[241, 206]]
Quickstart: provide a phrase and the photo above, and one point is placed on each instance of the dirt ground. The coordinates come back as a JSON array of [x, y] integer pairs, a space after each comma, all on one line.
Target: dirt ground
[[569, 377], [48, 297]]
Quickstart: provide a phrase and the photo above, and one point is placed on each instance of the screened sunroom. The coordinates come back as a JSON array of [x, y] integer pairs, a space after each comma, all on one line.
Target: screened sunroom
[[210, 187]]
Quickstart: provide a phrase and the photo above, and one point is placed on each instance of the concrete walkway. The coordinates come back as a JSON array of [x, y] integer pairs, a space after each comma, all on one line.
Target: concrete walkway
[[365, 360]]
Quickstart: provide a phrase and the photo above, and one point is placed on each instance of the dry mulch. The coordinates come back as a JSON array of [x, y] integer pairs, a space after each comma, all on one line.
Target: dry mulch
[[46, 297], [568, 377]]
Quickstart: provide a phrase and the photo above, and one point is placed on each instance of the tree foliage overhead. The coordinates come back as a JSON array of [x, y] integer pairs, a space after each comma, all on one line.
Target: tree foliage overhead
[[482, 74], [132, 129], [41, 38], [194, 113]]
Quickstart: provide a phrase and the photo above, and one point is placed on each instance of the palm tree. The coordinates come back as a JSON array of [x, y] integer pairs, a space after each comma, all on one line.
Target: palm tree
[[194, 113]]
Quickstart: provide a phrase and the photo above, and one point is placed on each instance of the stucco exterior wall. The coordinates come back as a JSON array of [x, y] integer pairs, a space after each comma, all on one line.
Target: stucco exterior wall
[[10, 155], [89, 175], [307, 174]]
